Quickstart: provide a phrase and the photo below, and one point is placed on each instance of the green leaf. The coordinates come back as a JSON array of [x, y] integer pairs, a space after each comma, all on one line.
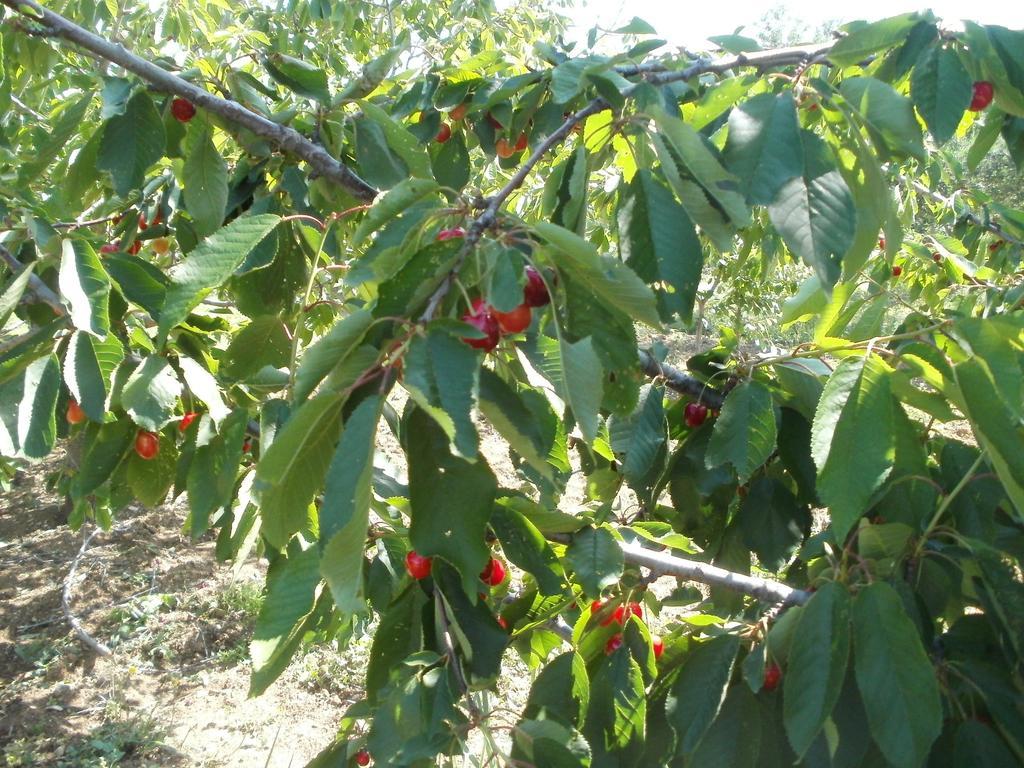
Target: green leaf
[[293, 467], [478, 637], [451, 164], [291, 593], [764, 148], [86, 286], [698, 693], [772, 521], [131, 143], [979, 746], [896, 679], [398, 635], [509, 414], [373, 75], [299, 76], [889, 115], [734, 738], [12, 294], [377, 164], [853, 441], [213, 471], [264, 341], [151, 394], [104, 449], [139, 281], [997, 429], [658, 242], [37, 425], [614, 284], [867, 39], [941, 90], [527, 548], [206, 179], [151, 479], [401, 141], [817, 664], [814, 211], [641, 439], [616, 723], [391, 204], [596, 558], [450, 500], [745, 432], [88, 367], [441, 374], [561, 691], [203, 386], [330, 349], [210, 264], [583, 376], [345, 511]]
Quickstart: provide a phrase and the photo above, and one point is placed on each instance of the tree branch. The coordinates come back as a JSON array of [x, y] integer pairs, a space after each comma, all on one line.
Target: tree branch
[[680, 382], [40, 290], [288, 139], [65, 600]]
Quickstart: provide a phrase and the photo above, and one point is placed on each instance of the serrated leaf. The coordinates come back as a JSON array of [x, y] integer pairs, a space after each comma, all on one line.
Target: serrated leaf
[[13, 292], [131, 143], [526, 547], [477, 634], [772, 521], [450, 163], [86, 286], [764, 148], [88, 368], [853, 443], [299, 76], [613, 283], [151, 394], [640, 439], [450, 500], [202, 384], [583, 376], [213, 471], [896, 679], [596, 559], [391, 204], [698, 693], [37, 425], [888, 114], [617, 724], [817, 664], [869, 38], [398, 635], [745, 432], [205, 174], [345, 511], [502, 406], [211, 264], [401, 141], [734, 738], [561, 691], [658, 242], [814, 211], [264, 341], [330, 349], [941, 89], [139, 281], [104, 449]]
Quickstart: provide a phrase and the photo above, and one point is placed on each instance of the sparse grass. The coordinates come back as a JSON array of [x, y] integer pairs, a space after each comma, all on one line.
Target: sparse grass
[[111, 744]]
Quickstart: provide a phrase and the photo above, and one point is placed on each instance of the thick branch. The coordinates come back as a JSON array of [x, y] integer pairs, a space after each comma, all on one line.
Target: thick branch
[[40, 290], [680, 382], [282, 136]]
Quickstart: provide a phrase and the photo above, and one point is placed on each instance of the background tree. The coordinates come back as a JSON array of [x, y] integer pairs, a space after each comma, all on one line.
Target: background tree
[[230, 250]]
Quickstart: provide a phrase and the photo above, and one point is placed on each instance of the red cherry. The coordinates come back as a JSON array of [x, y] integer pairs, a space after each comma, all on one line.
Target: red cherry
[[995, 246], [75, 413], [147, 445], [182, 109], [443, 134], [881, 243], [482, 317], [450, 234], [187, 419], [595, 606], [897, 271], [134, 247], [362, 757], [937, 258], [458, 113], [694, 415], [982, 96], [520, 143], [502, 623], [417, 565], [535, 293], [494, 572], [246, 445], [515, 321], [109, 248], [494, 122], [613, 644], [772, 677], [659, 645], [504, 149], [636, 610]]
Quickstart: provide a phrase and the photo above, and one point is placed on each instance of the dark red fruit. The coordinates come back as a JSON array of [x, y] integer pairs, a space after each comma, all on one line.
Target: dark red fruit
[[659, 645], [494, 573], [694, 414], [147, 445], [535, 293], [450, 234], [362, 757], [134, 247], [503, 148], [515, 321], [417, 565], [482, 317], [458, 113], [897, 271], [75, 413], [246, 445], [983, 95], [502, 623], [183, 109], [109, 248], [937, 258], [187, 419], [772, 677], [613, 644], [995, 246], [494, 122], [881, 243], [443, 134], [520, 143]]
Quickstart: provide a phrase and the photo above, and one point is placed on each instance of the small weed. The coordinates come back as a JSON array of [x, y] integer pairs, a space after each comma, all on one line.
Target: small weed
[[244, 597]]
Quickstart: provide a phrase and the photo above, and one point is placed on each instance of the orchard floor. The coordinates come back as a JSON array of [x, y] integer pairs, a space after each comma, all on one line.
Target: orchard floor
[[174, 692]]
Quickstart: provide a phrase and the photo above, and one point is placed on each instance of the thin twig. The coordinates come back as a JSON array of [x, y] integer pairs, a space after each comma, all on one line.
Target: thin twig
[[288, 139], [65, 600], [40, 290]]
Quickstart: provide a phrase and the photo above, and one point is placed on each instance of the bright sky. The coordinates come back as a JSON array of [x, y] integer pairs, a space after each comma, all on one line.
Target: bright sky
[[689, 23]]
